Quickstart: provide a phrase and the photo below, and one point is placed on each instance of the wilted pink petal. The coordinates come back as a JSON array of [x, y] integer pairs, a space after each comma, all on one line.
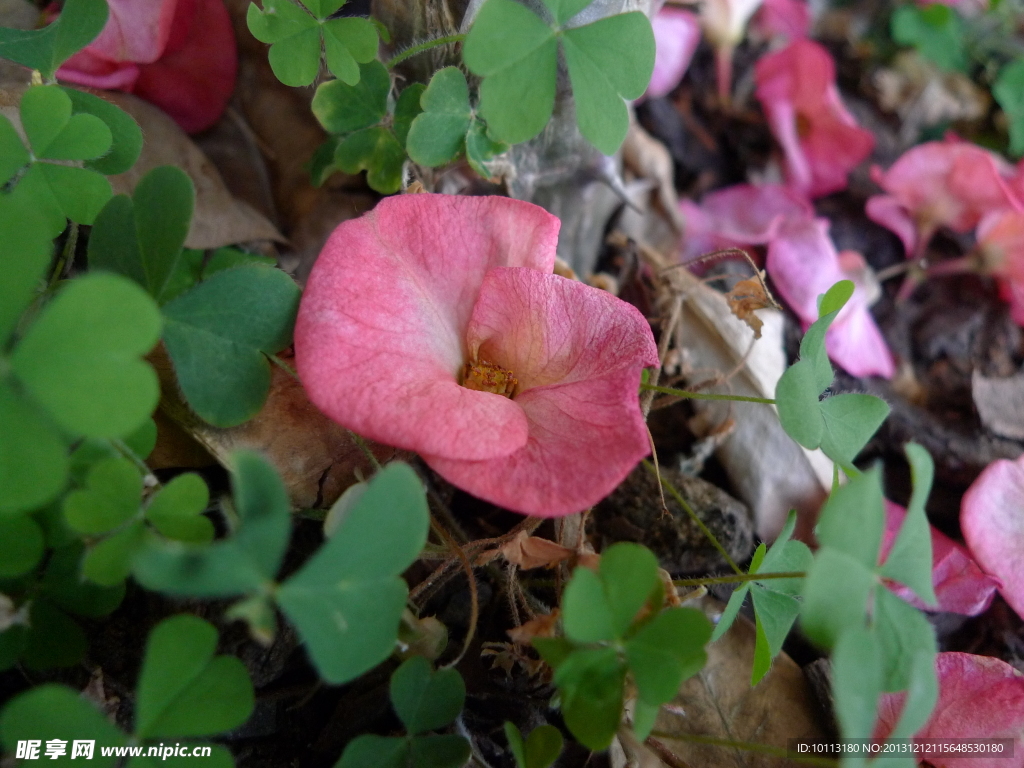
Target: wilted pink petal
[[739, 215], [1001, 245], [790, 19], [676, 36], [992, 519], [725, 21], [577, 353], [803, 264], [947, 183], [194, 79], [888, 212], [426, 289], [177, 54], [821, 140], [979, 698], [960, 585]]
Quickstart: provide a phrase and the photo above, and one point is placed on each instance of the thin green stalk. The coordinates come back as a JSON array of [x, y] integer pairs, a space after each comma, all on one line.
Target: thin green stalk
[[687, 394], [693, 516], [738, 578], [746, 746], [426, 45], [67, 257], [284, 366]]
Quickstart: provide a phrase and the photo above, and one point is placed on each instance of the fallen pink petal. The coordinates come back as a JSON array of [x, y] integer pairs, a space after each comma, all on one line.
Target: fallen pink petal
[[676, 35], [947, 183], [1000, 238], [434, 324], [992, 519], [177, 54], [961, 586], [801, 259], [979, 698], [788, 19], [820, 138]]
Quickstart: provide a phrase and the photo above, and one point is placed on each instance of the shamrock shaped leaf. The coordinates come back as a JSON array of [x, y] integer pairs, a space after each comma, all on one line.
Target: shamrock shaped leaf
[[21, 545], [438, 134], [775, 605], [61, 192], [125, 133], [142, 237], [910, 559], [33, 455], [516, 52], [219, 333], [425, 700], [296, 37], [46, 49], [343, 107], [80, 359], [377, 151], [110, 497], [937, 32], [539, 750], [347, 600], [184, 690], [840, 425]]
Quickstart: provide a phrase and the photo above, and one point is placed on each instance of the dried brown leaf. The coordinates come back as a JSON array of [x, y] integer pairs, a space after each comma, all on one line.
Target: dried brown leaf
[[534, 552], [745, 298], [542, 626], [317, 458]]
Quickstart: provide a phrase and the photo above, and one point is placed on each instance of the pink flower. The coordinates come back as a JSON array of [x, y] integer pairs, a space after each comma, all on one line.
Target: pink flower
[[947, 183], [178, 54], [960, 584], [802, 261], [676, 36], [821, 140], [1001, 244], [790, 19], [979, 698], [992, 519], [434, 323]]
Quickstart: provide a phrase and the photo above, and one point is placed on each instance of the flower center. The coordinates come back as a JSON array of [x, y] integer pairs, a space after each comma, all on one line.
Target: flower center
[[483, 376]]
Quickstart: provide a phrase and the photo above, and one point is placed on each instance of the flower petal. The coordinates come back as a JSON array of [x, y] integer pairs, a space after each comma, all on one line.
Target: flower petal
[[380, 334], [960, 584], [979, 697], [676, 36], [889, 212], [580, 351], [992, 519], [194, 79], [784, 18]]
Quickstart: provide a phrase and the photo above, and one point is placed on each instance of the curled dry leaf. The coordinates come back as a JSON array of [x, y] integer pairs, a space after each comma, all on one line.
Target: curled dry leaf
[[534, 552], [746, 297], [542, 626], [719, 702], [219, 218], [317, 459]]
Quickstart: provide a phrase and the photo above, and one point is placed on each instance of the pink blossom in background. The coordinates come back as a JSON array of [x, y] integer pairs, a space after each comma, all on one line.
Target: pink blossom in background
[[947, 183], [177, 54], [992, 519], [410, 304], [821, 140], [725, 23], [676, 37], [1001, 245], [979, 698], [960, 584], [789, 19], [802, 262]]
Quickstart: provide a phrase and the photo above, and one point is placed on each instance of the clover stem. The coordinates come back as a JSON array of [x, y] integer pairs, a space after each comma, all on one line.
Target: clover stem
[[738, 578], [746, 746], [67, 256], [687, 394], [419, 48], [693, 516]]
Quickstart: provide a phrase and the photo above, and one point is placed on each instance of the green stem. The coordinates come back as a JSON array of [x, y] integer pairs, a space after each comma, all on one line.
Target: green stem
[[693, 516], [746, 746], [685, 393], [122, 447], [67, 257], [426, 45], [284, 366], [738, 578]]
